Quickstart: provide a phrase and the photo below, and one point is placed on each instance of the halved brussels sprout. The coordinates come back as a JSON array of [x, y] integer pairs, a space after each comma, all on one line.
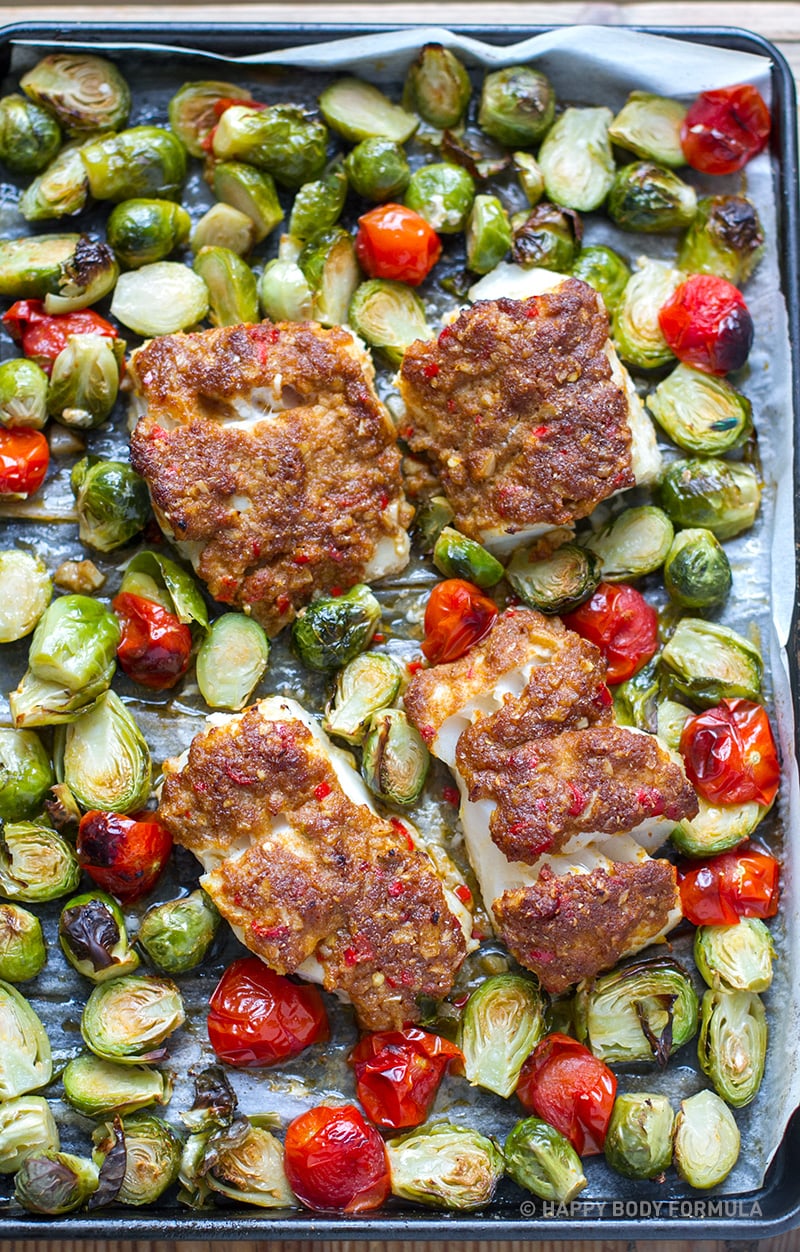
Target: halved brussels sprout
[[23, 394], [55, 1183], [152, 1157], [557, 583], [30, 137], [250, 191], [732, 1047], [97, 1088], [155, 577], [639, 1136], [369, 683], [737, 958], [650, 198], [442, 193], [456, 556], [86, 93], [500, 1026], [176, 935], [697, 572], [517, 106], [27, 1128], [725, 238], [437, 87], [489, 234], [716, 828], [576, 159], [36, 864], [388, 315], [633, 543], [223, 226], [232, 661], [356, 110], [160, 299], [539, 1158], [448, 1166], [84, 382], [635, 700], [671, 718], [706, 1143], [93, 938], [145, 161], [31, 267], [431, 518], [25, 592], [699, 412], [605, 270], [127, 1018], [395, 760], [284, 292], [60, 190], [707, 662], [25, 1060], [318, 205], [143, 231], [720, 496], [111, 500], [328, 262], [86, 276], [531, 178], [547, 237], [249, 1170], [635, 328], [650, 127], [376, 169], [284, 140], [23, 954], [231, 284], [335, 629], [192, 111], [643, 1011]]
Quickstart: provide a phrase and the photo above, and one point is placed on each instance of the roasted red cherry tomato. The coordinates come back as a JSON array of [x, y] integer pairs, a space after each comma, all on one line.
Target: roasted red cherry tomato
[[571, 1089], [707, 324], [336, 1160], [24, 458], [123, 855], [257, 1017], [395, 242], [737, 884], [724, 129], [457, 615], [43, 335], [620, 622], [398, 1073], [730, 754], [155, 648]]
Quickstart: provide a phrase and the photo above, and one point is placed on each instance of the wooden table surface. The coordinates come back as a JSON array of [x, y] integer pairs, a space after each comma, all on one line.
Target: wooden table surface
[[779, 22]]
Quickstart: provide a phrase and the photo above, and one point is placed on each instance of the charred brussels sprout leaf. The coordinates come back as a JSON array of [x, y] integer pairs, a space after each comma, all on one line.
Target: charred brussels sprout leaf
[[176, 935], [442, 193], [706, 1144], [160, 299], [284, 292], [152, 1157], [456, 556], [284, 140], [706, 662], [60, 190], [36, 864], [84, 382], [635, 328], [143, 231], [650, 127], [650, 198], [93, 938], [232, 292], [502, 1022], [329, 265], [697, 572], [250, 191], [605, 270], [699, 412], [141, 162], [55, 1183], [377, 169], [644, 1011], [26, 775], [431, 518], [517, 106], [737, 958], [732, 1046], [127, 1018], [539, 1158], [27, 1128], [576, 159], [193, 114], [557, 583], [633, 543], [547, 237], [725, 238], [356, 110], [531, 178], [489, 234], [444, 1165], [437, 87], [369, 683], [25, 1060], [395, 760], [86, 93], [23, 394], [720, 496], [389, 316], [232, 661], [639, 1136], [30, 137], [25, 592], [112, 502], [223, 226], [97, 1087], [635, 700], [87, 276]]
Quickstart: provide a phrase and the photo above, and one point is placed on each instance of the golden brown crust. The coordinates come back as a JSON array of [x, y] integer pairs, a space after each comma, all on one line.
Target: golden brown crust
[[516, 408], [573, 926]]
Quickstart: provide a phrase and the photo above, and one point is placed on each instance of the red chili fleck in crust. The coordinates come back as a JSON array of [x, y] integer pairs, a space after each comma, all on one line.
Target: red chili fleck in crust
[[444, 335], [541, 431], [395, 889], [652, 801], [463, 892], [578, 801], [336, 592], [282, 604], [236, 776], [414, 667], [384, 502], [269, 932], [431, 369], [301, 559], [323, 790]]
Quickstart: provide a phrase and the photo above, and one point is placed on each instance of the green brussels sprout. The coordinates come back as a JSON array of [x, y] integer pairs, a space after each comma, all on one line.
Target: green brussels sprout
[[557, 583], [706, 1143], [395, 760], [60, 190], [720, 496], [231, 284], [152, 1157], [725, 238], [329, 265], [431, 518], [576, 159], [643, 1011], [143, 231], [104, 759], [55, 1183], [36, 864], [335, 629], [232, 661], [501, 1024], [192, 111], [160, 299], [377, 169], [639, 1136], [86, 93], [389, 316], [155, 577], [633, 543], [539, 1158], [517, 106], [547, 238], [176, 935], [30, 137], [716, 828], [250, 191], [318, 205], [143, 162], [697, 572], [649, 126], [86, 276], [530, 176], [244, 1163], [23, 394], [223, 226], [707, 662], [97, 1087], [605, 270], [699, 412], [127, 1018], [284, 140], [25, 1060], [33, 266], [650, 198], [489, 235], [284, 292], [23, 954], [635, 328], [27, 1128], [93, 938], [437, 87], [456, 556], [356, 110], [671, 718], [442, 193], [369, 683], [111, 501], [635, 700], [736, 958], [25, 592], [84, 382], [448, 1166], [732, 1047]]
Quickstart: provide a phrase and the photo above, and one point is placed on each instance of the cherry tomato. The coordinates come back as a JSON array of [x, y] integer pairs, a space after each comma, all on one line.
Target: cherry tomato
[[571, 1089], [457, 615], [43, 335], [737, 884], [155, 647], [623, 626], [398, 1073], [730, 754], [707, 324], [395, 242], [724, 129], [123, 855], [336, 1160], [257, 1017], [24, 458]]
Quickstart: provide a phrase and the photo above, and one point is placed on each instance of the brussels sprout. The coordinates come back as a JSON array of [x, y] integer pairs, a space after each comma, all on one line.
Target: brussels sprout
[[643, 1011], [63, 811], [55, 1182], [23, 394], [177, 934], [356, 110], [706, 1143], [84, 382], [111, 500], [232, 292], [531, 178], [23, 954], [25, 1060], [671, 718], [635, 328], [36, 864], [732, 1047], [328, 262], [431, 518], [388, 315], [155, 577], [635, 699], [33, 266], [376, 169], [249, 1170], [284, 140], [395, 760], [369, 683], [721, 496], [437, 87], [557, 583], [501, 1024], [214, 1106], [27, 1128], [650, 198], [29, 136], [448, 1166], [456, 556], [25, 592], [335, 629], [193, 115], [633, 543], [160, 299], [539, 1158], [605, 270], [60, 190], [736, 958], [576, 159], [87, 276], [97, 1087], [489, 235], [517, 106], [639, 1136], [700, 412], [143, 231], [443, 194], [145, 161], [250, 191], [93, 938], [546, 238], [223, 226], [126, 1018], [74, 646], [318, 205], [707, 662], [725, 238], [716, 828], [650, 127], [152, 1157], [232, 661], [697, 572], [284, 292], [86, 93]]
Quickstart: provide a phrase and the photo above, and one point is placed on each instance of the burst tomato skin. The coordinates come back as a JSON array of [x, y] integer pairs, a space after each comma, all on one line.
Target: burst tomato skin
[[334, 1160], [571, 1089], [730, 754], [395, 242], [707, 324], [257, 1017], [43, 335], [457, 615], [155, 648], [725, 128], [124, 855], [398, 1074], [24, 458], [620, 622], [720, 891]]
